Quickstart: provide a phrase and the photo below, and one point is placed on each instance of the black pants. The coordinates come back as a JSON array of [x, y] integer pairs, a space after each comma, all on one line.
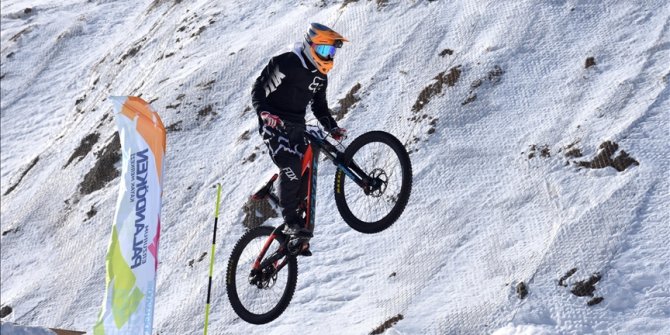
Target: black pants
[[286, 148]]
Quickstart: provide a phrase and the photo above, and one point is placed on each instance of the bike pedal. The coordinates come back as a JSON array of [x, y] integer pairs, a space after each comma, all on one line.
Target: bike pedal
[[305, 250], [299, 247]]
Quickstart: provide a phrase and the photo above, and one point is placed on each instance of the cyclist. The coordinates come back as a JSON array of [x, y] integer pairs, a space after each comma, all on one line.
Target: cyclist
[[281, 93]]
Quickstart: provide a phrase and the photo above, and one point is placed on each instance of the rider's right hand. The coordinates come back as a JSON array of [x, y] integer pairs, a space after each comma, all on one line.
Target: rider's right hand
[[271, 120]]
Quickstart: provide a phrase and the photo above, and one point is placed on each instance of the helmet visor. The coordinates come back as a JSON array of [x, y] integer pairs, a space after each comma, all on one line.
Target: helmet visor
[[325, 51]]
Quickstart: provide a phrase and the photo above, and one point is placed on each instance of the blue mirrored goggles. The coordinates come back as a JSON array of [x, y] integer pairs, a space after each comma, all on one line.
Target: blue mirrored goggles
[[324, 50]]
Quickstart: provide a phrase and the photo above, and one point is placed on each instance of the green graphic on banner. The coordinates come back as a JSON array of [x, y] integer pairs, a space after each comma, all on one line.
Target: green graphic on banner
[[125, 295]]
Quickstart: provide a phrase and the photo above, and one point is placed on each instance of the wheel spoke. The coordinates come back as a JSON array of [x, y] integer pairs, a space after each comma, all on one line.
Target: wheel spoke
[[376, 159]]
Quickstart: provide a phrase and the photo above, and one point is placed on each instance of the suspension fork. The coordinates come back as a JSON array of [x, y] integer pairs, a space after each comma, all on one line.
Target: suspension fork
[[257, 263], [260, 264], [353, 171]]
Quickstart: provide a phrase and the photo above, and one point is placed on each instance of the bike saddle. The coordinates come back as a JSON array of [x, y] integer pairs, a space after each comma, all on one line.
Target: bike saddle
[[265, 191]]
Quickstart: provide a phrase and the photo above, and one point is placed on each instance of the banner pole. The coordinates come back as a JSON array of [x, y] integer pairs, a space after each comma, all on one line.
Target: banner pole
[[211, 256]]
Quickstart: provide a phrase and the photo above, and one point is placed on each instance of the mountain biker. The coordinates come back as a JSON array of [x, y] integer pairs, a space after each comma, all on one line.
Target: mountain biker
[[281, 93]]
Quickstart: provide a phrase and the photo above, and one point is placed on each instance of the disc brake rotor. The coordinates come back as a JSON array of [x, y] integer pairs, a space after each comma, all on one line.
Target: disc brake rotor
[[264, 279], [379, 183]]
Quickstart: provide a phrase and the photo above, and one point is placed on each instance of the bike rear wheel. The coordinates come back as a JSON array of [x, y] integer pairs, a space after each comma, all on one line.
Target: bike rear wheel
[[383, 158], [266, 298]]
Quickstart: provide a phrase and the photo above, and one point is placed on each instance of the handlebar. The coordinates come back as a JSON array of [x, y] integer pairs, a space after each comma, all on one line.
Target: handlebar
[[311, 131]]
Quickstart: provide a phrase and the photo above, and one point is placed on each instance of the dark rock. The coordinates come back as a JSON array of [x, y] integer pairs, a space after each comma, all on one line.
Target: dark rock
[[387, 324], [208, 85], [623, 161], [476, 83], [257, 212], [200, 30], [20, 33], [595, 301], [446, 52], [590, 61], [91, 213], [84, 148], [604, 158], [381, 4], [174, 127], [472, 97], [585, 288], [495, 74], [245, 136], [544, 152], [130, 53], [207, 110], [250, 159], [453, 76], [5, 310], [561, 282], [574, 152], [103, 171], [346, 2], [521, 290], [436, 88], [349, 100], [23, 174]]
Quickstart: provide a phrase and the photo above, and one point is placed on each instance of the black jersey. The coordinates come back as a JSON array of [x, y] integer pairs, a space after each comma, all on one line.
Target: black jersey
[[287, 85]]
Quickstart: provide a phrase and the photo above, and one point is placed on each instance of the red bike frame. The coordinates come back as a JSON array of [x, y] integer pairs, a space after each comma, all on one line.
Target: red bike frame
[[310, 163]]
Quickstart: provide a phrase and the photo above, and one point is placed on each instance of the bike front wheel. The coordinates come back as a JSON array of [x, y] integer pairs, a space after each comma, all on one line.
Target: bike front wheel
[[386, 164], [260, 295]]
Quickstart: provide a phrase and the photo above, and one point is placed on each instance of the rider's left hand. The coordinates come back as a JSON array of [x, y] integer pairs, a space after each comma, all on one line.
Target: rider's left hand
[[338, 133]]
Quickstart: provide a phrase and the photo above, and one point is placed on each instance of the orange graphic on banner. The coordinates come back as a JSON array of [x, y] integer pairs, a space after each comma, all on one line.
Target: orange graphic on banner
[[147, 124]]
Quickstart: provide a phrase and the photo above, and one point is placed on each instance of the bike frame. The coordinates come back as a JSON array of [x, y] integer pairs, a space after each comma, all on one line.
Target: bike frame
[[317, 143]]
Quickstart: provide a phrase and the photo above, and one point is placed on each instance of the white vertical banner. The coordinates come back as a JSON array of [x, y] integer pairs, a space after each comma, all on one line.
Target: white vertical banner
[[132, 256]]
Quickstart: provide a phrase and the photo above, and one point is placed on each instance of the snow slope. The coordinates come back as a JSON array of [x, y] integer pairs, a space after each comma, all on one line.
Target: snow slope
[[484, 215]]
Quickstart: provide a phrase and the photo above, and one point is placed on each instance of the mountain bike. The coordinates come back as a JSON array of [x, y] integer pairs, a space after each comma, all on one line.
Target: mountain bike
[[372, 187]]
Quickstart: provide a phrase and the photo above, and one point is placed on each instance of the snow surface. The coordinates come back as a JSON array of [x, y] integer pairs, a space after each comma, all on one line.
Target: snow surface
[[483, 216]]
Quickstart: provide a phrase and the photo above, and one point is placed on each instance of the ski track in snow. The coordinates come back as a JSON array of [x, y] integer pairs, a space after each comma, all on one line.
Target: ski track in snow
[[482, 216]]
